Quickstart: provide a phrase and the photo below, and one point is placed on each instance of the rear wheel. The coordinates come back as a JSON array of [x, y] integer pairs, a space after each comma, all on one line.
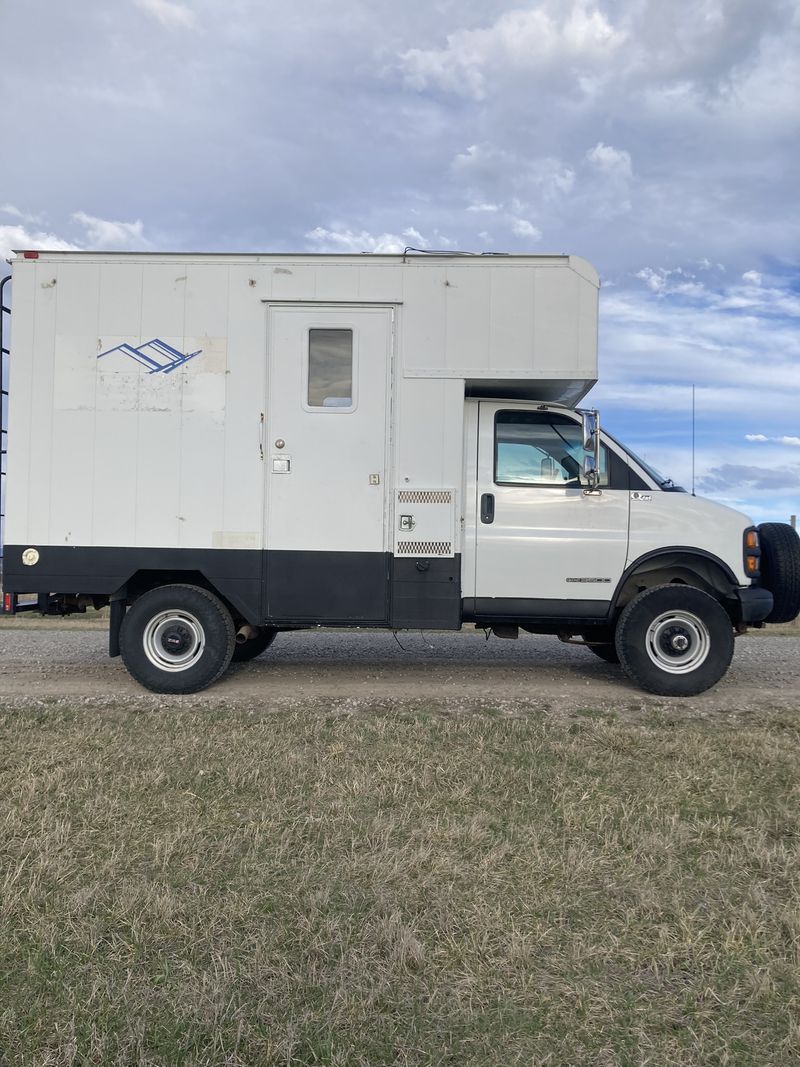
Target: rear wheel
[[674, 640], [177, 639], [254, 646], [780, 569]]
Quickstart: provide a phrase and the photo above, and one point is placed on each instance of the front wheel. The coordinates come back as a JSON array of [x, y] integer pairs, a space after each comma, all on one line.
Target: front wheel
[[674, 640], [177, 639]]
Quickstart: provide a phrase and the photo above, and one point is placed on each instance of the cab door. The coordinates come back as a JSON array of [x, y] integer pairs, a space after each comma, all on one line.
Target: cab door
[[544, 547]]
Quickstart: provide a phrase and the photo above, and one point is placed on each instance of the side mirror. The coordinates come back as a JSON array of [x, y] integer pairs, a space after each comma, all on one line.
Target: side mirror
[[589, 423], [590, 467]]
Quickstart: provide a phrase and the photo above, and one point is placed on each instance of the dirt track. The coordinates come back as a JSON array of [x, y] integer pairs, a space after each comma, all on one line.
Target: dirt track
[[445, 669]]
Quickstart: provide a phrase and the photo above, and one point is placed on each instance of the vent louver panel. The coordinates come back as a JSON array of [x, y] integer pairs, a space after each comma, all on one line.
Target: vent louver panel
[[424, 548], [425, 496]]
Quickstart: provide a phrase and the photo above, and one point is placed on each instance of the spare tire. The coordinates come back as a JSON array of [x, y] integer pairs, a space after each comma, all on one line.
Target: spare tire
[[780, 569]]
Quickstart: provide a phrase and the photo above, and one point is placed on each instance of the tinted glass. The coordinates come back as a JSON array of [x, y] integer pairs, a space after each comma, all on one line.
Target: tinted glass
[[330, 368], [540, 448]]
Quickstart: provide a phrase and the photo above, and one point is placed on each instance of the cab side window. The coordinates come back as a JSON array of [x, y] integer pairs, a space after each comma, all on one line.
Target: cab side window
[[540, 448]]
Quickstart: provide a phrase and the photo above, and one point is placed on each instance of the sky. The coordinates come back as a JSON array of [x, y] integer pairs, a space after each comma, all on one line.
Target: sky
[[658, 140]]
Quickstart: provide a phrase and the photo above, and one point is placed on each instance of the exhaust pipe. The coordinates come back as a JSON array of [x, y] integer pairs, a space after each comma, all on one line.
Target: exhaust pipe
[[246, 633]]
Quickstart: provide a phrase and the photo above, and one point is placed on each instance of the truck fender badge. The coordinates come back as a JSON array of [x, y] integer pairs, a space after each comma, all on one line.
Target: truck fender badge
[[30, 557], [588, 579], [641, 496]]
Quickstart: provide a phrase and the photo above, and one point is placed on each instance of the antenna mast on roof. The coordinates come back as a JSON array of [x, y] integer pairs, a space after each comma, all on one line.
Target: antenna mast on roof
[[693, 438]]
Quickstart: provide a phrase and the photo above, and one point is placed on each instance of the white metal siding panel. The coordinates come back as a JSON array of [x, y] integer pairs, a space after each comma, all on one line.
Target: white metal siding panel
[[340, 284], [18, 484], [511, 325], [116, 469], [555, 334], [158, 482], [467, 298], [120, 300], [293, 281], [72, 479], [40, 431], [78, 301], [380, 282], [244, 472], [202, 464], [424, 317], [163, 300], [206, 302]]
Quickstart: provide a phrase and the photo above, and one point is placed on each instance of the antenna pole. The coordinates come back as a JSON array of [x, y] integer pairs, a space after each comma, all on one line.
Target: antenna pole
[[693, 437]]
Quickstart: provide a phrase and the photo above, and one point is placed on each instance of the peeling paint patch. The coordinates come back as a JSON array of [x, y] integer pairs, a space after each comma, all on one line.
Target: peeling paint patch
[[234, 539]]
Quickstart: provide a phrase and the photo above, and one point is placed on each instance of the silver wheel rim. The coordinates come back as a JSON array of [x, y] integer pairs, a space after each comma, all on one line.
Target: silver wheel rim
[[678, 642], [174, 640]]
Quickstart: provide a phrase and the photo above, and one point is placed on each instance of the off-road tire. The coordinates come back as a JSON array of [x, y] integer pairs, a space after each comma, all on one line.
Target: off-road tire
[[177, 639], [780, 569], [255, 645], [674, 640]]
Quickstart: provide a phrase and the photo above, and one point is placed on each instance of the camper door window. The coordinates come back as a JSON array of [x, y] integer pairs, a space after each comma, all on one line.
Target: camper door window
[[540, 448], [330, 368]]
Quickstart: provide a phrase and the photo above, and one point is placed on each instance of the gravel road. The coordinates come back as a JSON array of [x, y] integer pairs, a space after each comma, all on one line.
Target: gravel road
[[458, 669]]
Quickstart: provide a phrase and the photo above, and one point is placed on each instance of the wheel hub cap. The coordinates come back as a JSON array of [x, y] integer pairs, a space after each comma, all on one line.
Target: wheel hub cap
[[173, 640], [678, 642]]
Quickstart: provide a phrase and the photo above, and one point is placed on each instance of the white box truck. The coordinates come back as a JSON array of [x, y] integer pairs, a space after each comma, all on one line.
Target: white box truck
[[222, 447]]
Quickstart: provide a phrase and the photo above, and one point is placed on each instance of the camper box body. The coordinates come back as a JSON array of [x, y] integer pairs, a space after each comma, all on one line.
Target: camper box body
[[288, 431]]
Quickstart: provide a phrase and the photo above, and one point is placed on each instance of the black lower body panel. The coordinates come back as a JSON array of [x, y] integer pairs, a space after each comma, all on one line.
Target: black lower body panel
[[528, 610], [344, 588], [426, 594], [276, 588], [234, 573]]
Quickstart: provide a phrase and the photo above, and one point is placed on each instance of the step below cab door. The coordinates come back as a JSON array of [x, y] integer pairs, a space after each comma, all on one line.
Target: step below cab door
[[544, 547]]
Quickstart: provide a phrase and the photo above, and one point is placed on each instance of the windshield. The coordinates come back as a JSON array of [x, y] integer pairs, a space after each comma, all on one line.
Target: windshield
[[659, 478]]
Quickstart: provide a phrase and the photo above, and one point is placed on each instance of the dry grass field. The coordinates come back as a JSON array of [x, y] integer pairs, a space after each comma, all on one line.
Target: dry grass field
[[375, 883]]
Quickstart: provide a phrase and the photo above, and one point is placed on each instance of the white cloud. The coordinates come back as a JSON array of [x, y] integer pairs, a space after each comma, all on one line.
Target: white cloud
[[786, 439], [346, 240], [484, 207], [532, 40], [19, 237], [524, 228], [752, 276], [674, 282], [609, 160], [168, 13], [112, 235]]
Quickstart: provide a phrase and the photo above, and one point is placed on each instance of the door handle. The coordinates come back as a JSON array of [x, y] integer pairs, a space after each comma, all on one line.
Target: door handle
[[487, 507]]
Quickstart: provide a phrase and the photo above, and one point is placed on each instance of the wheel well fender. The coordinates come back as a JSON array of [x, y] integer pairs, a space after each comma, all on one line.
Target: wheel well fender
[[679, 565], [142, 581]]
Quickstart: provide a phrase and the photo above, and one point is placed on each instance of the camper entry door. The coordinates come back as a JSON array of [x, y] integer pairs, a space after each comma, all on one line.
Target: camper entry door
[[325, 444]]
